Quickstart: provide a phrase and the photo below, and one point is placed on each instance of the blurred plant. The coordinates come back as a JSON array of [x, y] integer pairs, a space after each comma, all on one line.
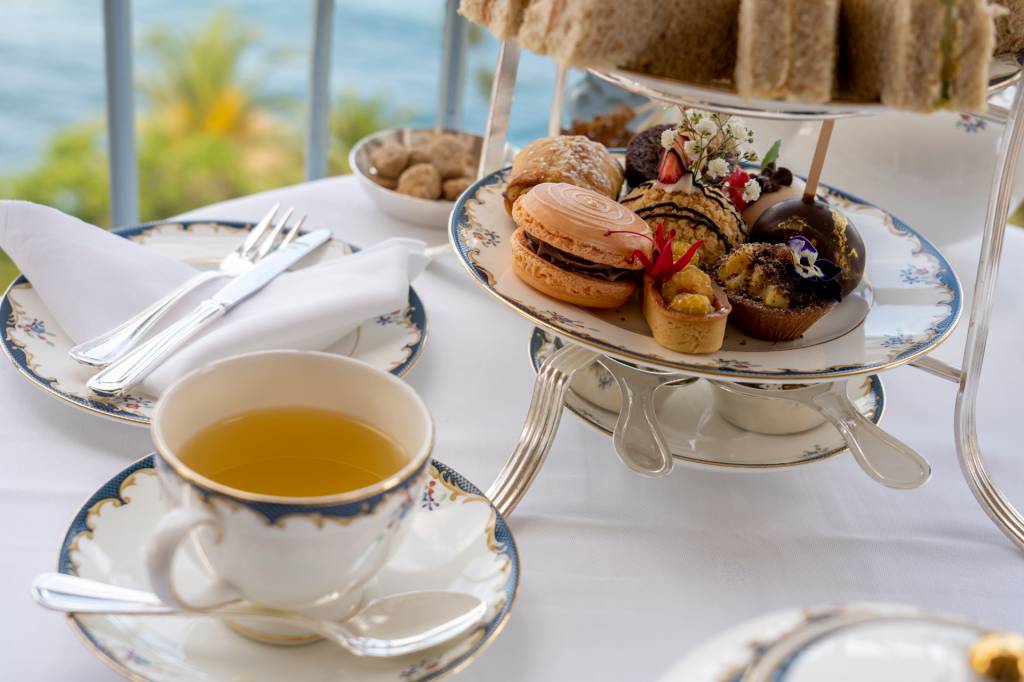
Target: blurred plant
[[1018, 217], [208, 131]]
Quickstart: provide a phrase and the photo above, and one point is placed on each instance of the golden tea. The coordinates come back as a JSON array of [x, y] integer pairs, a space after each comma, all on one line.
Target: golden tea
[[293, 452]]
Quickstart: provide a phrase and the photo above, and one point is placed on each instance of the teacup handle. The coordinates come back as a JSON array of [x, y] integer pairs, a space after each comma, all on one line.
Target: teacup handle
[[175, 527]]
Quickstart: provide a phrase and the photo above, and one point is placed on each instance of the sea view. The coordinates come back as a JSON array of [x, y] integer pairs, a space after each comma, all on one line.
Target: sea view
[[51, 63]]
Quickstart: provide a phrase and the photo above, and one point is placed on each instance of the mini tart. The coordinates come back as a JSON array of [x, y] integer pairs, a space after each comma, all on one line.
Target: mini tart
[[685, 332], [754, 318]]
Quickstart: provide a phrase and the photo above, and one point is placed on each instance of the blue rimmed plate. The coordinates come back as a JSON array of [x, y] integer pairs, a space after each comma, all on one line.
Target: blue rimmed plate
[[39, 348], [841, 643], [908, 304], [457, 541], [695, 432]]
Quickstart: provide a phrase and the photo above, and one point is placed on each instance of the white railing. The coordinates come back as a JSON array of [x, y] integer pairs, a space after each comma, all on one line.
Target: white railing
[[117, 41]]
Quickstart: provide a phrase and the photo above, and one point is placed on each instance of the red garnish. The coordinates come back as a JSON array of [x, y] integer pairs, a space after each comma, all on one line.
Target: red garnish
[[661, 267], [735, 184], [673, 164]]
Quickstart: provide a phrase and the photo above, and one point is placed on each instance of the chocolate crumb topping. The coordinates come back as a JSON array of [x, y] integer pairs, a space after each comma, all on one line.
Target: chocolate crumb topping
[[573, 263]]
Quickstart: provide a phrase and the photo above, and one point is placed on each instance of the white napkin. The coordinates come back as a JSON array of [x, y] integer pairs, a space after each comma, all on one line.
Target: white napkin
[[92, 280]]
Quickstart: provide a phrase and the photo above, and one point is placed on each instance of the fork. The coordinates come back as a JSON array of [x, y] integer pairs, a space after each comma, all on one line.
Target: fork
[[111, 345], [540, 426]]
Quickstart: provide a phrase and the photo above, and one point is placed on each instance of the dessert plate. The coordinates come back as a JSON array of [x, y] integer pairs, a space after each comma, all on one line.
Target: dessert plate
[[38, 347], [908, 303], [1003, 71], [848, 643], [697, 434], [456, 542]]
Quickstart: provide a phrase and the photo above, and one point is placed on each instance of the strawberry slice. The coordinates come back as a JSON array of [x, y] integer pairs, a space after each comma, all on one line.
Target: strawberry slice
[[735, 184]]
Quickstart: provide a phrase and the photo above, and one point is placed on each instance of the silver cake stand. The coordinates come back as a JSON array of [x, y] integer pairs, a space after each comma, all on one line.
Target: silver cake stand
[[556, 372]]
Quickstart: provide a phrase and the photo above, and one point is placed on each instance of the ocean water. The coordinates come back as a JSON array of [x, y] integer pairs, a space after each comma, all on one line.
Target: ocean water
[[51, 62]]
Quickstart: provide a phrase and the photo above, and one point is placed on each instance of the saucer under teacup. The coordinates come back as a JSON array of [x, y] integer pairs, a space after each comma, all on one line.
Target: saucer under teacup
[[37, 346], [457, 541], [695, 432]]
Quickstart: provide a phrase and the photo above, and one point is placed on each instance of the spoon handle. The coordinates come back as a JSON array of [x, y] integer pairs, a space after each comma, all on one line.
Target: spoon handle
[[637, 437], [71, 594], [881, 455]]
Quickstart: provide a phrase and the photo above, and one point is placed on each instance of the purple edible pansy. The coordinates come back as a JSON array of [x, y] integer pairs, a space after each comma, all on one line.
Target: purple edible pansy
[[806, 263]]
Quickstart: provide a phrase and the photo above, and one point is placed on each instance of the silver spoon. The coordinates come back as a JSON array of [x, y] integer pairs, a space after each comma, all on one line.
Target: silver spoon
[[881, 455], [637, 437], [391, 626]]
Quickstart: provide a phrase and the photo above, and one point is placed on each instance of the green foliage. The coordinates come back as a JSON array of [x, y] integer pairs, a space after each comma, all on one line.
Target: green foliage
[[208, 133], [71, 176], [1018, 217]]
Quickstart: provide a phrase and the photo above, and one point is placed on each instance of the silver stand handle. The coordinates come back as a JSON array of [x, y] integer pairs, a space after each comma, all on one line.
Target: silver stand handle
[[972, 462]]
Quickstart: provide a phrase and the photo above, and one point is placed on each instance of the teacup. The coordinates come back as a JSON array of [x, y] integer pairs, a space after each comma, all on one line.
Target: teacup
[[310, 555]]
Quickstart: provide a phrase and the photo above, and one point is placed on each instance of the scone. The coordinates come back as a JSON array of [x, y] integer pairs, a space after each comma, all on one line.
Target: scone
[[572, 159], [778, 291], [578, 246]]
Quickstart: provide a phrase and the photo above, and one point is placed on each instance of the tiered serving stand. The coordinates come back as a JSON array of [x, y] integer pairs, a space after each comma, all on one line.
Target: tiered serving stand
[[555, 373]]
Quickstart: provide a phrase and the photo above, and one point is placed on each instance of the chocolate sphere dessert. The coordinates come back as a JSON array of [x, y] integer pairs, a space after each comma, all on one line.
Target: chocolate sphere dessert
[[827, 228]]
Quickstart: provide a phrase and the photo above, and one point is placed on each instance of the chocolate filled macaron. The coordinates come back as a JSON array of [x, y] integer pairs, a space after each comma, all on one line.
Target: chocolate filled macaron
[[578, 246]]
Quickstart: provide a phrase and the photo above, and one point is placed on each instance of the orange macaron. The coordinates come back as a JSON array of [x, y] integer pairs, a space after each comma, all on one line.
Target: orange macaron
[[578, 246]]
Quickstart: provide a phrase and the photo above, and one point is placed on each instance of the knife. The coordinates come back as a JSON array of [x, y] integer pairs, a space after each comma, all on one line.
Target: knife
[[120, 376]]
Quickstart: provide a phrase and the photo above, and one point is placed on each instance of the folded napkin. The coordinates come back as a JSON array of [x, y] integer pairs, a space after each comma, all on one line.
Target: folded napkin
[[92, 280]]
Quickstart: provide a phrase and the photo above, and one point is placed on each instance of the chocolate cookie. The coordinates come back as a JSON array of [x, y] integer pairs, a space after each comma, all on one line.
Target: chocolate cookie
[[643, 153]]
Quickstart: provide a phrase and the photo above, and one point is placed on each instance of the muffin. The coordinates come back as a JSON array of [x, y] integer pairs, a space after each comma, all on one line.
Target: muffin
[[643, 154], [695, 212], [777, 291]]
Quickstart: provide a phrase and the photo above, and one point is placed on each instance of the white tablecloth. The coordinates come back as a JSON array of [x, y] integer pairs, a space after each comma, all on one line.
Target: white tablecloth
[[621, 574]]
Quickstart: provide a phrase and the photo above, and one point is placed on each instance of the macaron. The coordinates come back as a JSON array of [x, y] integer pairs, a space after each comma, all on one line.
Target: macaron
[[578, 246]]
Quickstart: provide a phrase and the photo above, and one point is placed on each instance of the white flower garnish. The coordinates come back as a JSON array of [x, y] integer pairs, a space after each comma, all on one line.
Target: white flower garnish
[[737, 128], [751, 191], [718, 168], [668, 138], [706, 128], [692, 149]]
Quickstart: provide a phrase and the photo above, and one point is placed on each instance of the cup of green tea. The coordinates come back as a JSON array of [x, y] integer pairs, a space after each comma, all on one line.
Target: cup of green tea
[[289, 477]]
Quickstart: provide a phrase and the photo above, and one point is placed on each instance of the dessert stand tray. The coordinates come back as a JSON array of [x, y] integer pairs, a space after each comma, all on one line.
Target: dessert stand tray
[[908, 304], [1004, 71], [694, 431], [555, 373]]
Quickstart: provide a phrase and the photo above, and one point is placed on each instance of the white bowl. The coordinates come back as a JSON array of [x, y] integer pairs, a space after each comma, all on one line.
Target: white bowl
[[431, 213], [769, 413]]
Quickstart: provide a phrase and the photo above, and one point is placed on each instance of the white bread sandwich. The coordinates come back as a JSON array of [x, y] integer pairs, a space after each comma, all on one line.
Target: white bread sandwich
[[787, 49], [919, 55]]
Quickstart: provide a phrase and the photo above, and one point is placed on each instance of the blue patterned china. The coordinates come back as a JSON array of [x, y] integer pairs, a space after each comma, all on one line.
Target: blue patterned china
[[695, 431], [842, 643], [908, 303], [39, 348], [455, 541]]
